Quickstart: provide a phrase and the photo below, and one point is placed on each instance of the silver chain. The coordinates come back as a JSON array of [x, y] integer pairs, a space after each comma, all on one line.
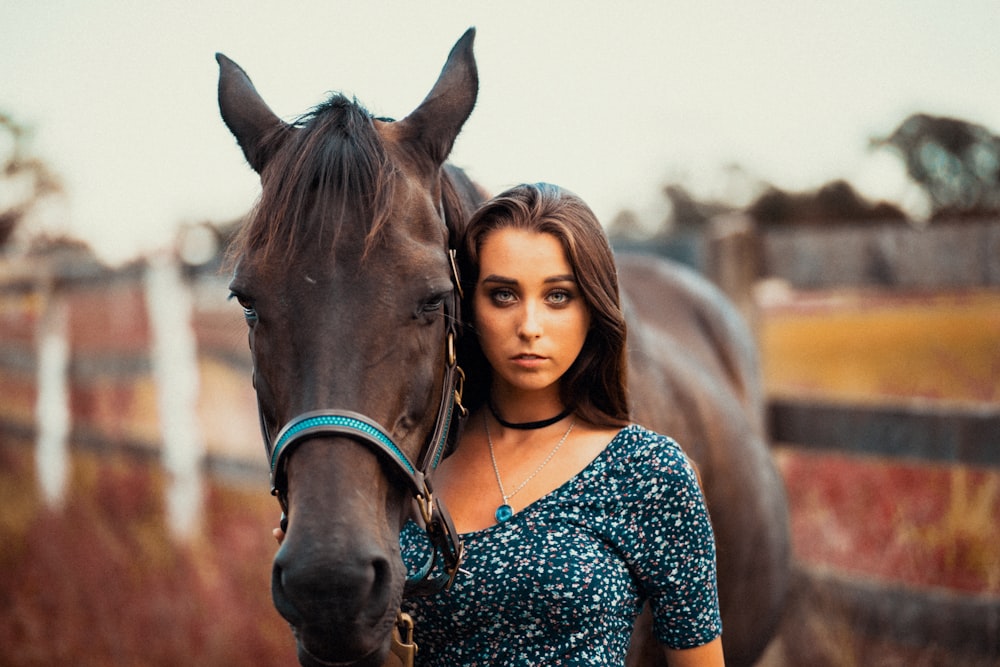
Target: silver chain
[[496, 469]]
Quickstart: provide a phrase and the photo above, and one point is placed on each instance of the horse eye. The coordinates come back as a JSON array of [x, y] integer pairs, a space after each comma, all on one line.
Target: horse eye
[[249, 312], [433, 304]]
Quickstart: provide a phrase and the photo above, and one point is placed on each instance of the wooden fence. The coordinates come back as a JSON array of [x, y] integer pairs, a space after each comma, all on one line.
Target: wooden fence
[[923, 431], [877, 440]]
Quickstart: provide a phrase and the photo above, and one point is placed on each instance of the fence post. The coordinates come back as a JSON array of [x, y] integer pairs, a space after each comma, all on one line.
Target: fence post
[[732, 260], [52, 406], [175, 370]]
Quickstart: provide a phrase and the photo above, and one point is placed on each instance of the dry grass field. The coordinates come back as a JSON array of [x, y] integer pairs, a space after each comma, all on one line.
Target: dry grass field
[[869, 346]]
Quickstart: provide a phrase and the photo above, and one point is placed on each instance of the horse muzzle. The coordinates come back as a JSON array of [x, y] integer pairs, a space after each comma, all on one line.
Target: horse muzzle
[[342, 608]]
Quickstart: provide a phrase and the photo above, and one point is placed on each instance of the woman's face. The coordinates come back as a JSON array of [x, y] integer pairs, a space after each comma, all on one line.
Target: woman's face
[[528, 310]]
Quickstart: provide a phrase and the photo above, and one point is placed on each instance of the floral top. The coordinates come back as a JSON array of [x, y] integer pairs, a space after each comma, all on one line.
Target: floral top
[[562, 581]]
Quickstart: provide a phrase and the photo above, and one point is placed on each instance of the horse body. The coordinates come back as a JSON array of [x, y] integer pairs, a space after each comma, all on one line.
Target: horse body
[[693, 375], [344, 276]]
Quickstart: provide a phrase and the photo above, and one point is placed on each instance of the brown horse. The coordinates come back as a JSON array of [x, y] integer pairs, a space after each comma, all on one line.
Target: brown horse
[[344, 276]]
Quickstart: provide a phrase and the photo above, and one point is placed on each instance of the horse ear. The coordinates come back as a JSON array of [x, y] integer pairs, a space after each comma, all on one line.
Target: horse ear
[[246, 114], [434, 125]]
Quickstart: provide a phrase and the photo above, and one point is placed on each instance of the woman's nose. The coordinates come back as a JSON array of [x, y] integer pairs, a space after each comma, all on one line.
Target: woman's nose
[[531, 321]]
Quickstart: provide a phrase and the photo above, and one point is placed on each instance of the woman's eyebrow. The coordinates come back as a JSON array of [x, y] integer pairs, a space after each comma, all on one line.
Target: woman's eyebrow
[[493, 278], [504, 280], [566, 278]]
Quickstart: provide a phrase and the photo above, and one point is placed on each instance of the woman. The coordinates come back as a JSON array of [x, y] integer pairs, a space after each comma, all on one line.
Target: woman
[[572, 517]]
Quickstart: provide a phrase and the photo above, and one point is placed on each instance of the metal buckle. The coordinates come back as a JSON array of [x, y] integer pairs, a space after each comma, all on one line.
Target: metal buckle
[[442, 534], [403, 646], [459, 390], [425, 503]]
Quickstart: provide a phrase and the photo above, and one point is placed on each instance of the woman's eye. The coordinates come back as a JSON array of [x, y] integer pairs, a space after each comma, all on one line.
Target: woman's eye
[[502, 296], [560, 298]]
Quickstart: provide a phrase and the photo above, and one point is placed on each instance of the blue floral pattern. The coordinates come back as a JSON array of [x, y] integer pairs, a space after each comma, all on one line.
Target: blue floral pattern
[[562, 581]]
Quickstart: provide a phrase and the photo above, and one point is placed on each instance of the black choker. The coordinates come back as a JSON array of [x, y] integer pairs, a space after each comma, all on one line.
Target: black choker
[[528, 426]]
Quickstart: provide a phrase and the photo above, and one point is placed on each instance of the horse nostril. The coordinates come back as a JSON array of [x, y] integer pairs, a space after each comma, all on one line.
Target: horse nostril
[[279, 595], [381, 585]]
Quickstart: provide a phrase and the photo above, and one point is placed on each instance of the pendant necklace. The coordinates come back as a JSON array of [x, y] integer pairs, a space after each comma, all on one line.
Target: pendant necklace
[[504, 511]]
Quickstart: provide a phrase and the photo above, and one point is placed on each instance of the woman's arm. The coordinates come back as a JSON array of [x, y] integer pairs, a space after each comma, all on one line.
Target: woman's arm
[[706, 655]]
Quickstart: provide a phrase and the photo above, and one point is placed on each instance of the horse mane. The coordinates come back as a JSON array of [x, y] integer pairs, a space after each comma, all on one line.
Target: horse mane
[[460, 197], [324, 164]]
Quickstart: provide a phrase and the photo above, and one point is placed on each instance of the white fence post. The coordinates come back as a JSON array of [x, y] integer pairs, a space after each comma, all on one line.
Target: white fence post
[[52, 411], [174, 358]]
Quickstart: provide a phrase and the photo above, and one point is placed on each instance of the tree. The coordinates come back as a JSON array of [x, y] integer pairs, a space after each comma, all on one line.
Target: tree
[[957, 163], [26, 182]]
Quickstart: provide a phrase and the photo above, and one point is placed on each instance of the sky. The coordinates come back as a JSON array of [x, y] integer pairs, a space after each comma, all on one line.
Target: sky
[[609, 99]]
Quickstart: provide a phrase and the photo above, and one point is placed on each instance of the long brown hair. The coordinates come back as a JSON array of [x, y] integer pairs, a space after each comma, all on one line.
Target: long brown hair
[[595, 385]]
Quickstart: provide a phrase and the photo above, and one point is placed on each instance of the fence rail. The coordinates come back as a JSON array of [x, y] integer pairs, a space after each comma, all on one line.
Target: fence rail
[[921, 431]]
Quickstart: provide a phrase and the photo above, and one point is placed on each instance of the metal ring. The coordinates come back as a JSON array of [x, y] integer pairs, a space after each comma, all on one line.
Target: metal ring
[[452, 357]]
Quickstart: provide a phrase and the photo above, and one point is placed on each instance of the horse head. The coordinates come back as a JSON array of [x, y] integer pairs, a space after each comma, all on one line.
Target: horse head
[[347, 286]]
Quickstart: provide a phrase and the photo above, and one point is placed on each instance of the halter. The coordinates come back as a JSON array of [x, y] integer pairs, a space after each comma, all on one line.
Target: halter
[[437, 522]]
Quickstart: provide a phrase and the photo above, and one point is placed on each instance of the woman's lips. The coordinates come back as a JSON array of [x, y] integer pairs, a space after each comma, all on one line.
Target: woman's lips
[[528, 360]]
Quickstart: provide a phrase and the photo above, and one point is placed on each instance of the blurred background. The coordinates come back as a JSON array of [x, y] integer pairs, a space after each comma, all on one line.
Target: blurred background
[[834, 168]]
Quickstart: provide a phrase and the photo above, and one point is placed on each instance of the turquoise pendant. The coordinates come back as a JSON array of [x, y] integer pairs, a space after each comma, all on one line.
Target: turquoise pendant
[[503, 513]]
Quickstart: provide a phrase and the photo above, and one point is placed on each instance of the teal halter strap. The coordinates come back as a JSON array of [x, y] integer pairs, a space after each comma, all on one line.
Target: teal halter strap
[[350, 424]]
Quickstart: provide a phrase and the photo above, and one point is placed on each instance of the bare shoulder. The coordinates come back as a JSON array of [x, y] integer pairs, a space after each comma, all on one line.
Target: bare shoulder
[[593, 439]]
